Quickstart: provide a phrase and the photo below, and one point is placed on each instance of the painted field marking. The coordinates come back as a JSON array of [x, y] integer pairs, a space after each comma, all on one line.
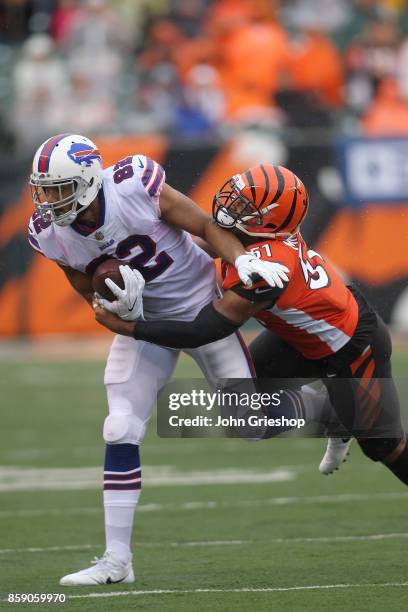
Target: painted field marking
[[312, 587], [373, 537], [68, 479], [341, 498]]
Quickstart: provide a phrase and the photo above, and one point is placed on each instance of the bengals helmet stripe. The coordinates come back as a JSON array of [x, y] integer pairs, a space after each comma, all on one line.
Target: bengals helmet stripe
[[292, 208], [251, 184], [303, 212], [281, 184], [265, 200], [266, 184]]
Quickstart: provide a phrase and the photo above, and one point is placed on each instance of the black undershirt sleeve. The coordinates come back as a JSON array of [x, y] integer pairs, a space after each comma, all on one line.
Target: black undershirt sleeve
[[264, 293], [208, 326]]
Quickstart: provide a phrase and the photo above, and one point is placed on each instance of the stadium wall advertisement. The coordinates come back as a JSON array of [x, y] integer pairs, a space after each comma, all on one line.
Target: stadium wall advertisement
[[362, 229]]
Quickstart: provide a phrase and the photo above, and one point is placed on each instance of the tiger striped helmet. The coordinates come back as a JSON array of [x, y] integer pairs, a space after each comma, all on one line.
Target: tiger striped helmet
[[266, 200]]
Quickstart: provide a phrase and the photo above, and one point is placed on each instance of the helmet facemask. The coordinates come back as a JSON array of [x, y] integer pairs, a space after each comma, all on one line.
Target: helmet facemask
[[69, 193], [232, 209], [264, 202]]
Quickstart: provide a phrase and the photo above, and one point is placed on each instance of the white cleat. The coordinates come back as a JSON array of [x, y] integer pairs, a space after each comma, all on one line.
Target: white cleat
[[105, 570], [336, 453]]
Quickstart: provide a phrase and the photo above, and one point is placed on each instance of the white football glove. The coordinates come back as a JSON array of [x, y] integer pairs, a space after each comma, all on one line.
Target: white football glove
[[129, 301], [273, 273]]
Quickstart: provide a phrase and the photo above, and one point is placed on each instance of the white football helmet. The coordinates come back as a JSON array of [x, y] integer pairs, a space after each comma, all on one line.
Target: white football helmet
[[66, 177]]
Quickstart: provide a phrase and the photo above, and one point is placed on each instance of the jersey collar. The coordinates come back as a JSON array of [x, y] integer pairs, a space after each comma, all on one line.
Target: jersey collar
[[86, 230]]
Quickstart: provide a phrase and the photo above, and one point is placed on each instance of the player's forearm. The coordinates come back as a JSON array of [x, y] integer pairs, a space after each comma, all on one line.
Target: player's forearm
[[84, 291], [208, 326], [179, 210], [204, 246], [80, 282], [88, 297], [223, 242]]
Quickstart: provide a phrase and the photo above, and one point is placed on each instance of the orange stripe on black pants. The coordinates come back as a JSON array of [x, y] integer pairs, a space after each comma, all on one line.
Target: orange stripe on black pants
[[364, 394]]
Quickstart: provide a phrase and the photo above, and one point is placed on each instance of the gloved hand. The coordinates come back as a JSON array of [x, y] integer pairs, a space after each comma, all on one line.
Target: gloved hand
[[129, 301], [273, 273]]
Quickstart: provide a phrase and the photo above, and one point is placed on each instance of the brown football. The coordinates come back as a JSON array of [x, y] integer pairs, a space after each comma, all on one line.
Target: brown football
[[107, 269]]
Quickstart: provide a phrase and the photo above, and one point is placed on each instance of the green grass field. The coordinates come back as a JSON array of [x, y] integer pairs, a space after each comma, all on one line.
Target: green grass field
[[245, 526]]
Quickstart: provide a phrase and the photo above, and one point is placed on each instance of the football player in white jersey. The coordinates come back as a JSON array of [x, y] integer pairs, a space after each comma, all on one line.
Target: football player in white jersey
[[84, 215]]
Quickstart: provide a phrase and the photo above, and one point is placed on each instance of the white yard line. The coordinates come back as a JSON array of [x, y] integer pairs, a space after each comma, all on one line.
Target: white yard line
[[48, 549], [373, 537], [312, 587], [328, 539], [341, 498], [68, 479], [307, 587], [33, 512]]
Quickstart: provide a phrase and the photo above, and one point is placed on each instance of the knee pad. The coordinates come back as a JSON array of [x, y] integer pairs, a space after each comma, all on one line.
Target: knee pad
[[123, 429], [378, 449], [116, 428]]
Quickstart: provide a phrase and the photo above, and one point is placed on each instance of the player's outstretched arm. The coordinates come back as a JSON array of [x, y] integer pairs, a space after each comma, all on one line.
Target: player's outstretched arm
[[80, 282], [215, 321], [204, 246], [177, 209]]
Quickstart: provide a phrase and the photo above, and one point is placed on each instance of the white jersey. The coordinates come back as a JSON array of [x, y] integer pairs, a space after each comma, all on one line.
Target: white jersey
[[180, 277]]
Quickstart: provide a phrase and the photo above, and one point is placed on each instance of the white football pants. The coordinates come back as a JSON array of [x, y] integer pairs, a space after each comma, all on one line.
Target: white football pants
[[136, 371]]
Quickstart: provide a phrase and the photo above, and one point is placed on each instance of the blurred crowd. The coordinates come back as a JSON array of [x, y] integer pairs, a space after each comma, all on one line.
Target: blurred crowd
[[196, 68]]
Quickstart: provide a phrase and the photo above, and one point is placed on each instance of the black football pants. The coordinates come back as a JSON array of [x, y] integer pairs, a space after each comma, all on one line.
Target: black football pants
[[362, 393]]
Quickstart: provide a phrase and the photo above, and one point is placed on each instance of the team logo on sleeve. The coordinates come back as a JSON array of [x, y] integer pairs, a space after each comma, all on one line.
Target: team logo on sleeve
[[81, 153]]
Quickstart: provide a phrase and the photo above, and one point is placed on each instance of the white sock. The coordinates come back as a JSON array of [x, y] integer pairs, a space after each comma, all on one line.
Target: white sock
[[119, 512]]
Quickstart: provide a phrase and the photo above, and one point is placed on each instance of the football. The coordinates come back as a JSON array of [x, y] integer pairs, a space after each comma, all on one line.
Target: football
[[107, 269]]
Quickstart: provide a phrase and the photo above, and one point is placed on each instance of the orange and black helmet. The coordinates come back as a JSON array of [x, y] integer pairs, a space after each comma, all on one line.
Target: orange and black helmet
[[265, 201]]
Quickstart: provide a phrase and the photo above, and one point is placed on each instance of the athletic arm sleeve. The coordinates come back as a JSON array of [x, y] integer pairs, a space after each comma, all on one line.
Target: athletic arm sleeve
[[208, 326], [262, 292]]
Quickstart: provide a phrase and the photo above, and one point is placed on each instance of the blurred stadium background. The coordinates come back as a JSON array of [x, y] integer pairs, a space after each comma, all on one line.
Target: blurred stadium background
[[206, 87], [209, 88]]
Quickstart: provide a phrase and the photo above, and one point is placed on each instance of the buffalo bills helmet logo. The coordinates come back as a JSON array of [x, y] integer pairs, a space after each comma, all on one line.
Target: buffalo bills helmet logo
[[81, 153]]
